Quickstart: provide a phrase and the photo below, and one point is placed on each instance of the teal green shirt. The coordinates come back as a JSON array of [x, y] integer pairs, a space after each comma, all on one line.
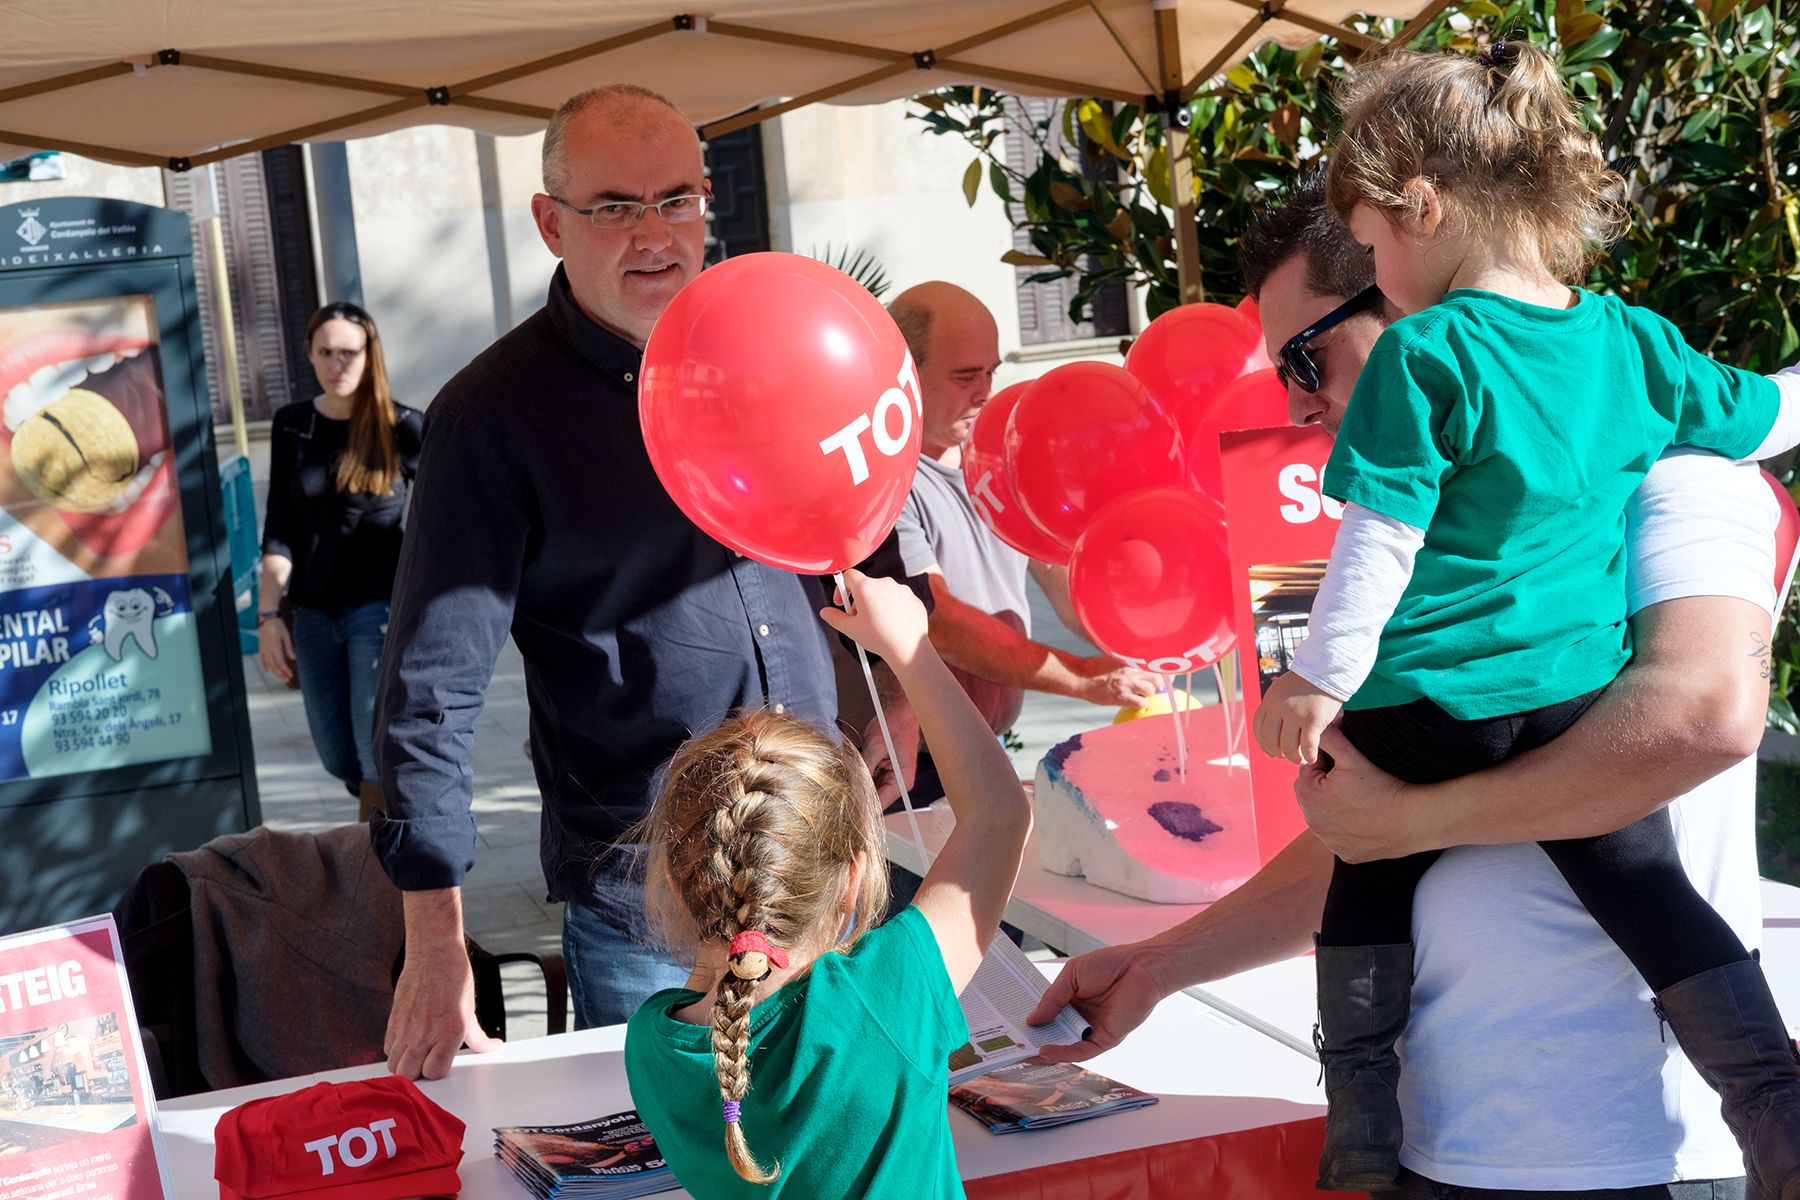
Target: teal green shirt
[[849, 1078], [1514, 435]]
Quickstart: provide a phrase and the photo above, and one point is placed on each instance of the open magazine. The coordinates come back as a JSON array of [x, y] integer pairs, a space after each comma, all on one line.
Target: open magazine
[[996, 1003], [611, 1157], [1034, 1095]]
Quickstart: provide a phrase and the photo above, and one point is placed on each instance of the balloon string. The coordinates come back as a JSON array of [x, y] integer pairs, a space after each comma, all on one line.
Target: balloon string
[[1168, 687], [887, 739], [1185, 682], [1231, 739]]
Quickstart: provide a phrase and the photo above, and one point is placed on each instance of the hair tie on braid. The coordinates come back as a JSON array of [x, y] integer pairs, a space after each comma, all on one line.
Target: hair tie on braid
[[731, 1109], [752, 954]]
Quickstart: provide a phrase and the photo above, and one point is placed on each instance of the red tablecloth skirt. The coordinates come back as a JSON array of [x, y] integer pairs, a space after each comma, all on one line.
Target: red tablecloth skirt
[[1275, 1162]]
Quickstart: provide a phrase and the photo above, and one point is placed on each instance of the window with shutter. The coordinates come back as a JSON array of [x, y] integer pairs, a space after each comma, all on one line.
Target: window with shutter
[[268, 257], [1044, 307], [738, 222]]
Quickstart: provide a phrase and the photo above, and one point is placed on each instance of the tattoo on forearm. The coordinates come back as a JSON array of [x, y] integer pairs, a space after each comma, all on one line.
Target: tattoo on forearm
[[1759, 650]]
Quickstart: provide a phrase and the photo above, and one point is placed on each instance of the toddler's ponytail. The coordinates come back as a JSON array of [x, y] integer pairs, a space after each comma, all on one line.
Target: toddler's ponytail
[[1496, 133]]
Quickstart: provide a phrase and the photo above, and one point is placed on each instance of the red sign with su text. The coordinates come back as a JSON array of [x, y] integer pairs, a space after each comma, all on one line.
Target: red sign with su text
[[1281, 529], [77, 1118]]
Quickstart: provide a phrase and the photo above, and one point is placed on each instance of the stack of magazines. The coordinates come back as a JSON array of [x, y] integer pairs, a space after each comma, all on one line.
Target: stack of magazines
[[1037, 1095], [613, 1158]]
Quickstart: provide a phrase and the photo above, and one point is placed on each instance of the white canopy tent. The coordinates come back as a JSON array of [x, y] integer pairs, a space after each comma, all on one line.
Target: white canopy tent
[[184, 83]]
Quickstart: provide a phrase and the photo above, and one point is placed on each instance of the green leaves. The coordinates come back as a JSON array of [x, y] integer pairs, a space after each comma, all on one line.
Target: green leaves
[[972, 182]]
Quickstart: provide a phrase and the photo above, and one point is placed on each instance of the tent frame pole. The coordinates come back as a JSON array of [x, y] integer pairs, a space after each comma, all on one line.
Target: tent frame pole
[[1342, 33], [1178, 150]]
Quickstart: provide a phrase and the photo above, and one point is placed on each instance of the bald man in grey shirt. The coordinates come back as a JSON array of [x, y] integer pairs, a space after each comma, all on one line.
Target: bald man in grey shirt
[[981, 622]]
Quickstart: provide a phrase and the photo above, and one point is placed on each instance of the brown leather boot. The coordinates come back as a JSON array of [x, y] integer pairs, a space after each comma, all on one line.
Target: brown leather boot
[[1730, 1029], [1365, 997], [369, 801]]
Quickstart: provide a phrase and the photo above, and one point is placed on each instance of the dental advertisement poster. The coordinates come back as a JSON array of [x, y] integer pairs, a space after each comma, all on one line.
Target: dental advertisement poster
[[77, 1117], [99, 654]]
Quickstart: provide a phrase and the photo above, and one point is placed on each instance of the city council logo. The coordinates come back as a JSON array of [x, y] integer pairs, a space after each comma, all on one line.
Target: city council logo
[[31, 230]]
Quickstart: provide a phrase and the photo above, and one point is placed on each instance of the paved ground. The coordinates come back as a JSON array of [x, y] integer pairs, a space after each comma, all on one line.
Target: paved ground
[[503, 900]]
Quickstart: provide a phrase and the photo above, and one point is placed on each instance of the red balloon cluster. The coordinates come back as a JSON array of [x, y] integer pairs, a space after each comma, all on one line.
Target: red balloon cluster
[[1116, 472], [781, 411]]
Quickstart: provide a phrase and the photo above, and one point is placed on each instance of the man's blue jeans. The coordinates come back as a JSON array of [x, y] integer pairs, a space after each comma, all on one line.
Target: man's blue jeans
[[338, 651], [613, 966]]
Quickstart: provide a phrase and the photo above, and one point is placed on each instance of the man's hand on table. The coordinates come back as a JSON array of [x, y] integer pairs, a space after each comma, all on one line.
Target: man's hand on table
[[1361, 812], [434, 1013], [1112, 988]]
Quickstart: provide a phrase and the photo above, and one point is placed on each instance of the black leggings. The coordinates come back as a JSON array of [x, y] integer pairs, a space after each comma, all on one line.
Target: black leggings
[[1631, 881]]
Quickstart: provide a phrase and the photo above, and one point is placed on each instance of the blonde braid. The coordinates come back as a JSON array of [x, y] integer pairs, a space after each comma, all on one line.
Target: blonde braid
[[734, 830]]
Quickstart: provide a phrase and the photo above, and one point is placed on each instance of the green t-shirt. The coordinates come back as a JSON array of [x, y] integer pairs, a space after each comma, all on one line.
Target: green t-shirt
[[849, 1078], [1514, 435]]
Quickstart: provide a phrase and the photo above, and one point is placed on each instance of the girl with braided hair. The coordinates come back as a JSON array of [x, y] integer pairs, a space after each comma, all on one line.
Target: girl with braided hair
[[1474, 605], [767, 868]]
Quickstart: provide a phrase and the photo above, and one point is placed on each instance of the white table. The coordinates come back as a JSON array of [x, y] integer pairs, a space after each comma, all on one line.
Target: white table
[[1215, 1076], [1279, 999], [1073, 915]]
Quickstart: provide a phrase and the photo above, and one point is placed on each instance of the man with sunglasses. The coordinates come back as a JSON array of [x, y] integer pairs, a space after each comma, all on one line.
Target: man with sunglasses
[[536, 513], [1533, 1062]]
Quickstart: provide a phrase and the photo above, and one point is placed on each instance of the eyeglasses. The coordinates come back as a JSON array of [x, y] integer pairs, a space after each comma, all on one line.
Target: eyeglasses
[[1295, 362], [623, 214]]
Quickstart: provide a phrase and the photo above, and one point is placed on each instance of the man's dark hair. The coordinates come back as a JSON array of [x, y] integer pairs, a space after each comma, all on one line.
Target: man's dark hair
[[1299, 222]]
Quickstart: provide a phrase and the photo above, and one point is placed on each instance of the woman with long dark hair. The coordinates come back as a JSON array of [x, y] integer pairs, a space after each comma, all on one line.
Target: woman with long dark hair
[[340, 467]]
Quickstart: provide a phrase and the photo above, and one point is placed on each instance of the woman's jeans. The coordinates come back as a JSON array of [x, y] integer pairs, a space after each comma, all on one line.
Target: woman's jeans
[[339, 655]]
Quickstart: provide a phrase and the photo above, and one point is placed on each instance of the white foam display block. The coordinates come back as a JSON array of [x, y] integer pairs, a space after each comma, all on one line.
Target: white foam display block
[[1114, 805]]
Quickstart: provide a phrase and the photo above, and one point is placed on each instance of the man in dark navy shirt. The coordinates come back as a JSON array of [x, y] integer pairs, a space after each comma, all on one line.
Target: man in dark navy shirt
[[536, 512]]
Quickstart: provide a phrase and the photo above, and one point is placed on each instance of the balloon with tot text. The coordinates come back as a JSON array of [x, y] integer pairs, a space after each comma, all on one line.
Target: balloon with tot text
[[781, 411], [1083, 435], [1151, 581], [1188, 356], [1256, 401], [991, 492]]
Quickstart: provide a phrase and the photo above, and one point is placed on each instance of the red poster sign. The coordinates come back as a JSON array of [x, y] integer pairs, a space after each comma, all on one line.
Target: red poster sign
[[77, 1118], [1281, 529]]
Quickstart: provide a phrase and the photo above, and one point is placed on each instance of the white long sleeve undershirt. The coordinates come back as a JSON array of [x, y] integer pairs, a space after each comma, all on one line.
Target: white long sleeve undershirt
[[1372, 564], [1786, 432]]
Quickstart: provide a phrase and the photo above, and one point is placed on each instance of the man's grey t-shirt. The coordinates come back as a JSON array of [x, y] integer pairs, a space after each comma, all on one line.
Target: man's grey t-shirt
[[939, 526]]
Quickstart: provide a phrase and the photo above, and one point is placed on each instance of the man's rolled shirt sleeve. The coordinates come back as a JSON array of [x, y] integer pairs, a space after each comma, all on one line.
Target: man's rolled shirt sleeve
[[458, 582], [1408, 424]]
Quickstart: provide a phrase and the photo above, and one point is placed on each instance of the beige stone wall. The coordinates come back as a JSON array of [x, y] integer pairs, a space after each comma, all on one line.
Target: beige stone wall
[[85, 177]]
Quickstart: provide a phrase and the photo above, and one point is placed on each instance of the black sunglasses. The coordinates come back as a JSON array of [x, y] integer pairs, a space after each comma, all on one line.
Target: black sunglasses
[[1295, 362]]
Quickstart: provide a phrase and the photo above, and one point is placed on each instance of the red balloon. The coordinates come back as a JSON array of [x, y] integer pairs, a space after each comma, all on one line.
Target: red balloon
[[1787, 535], [1187, 356], [991, 492], [781, 411], [1257, 401], [1151, 581], [1081, 436], [1251, 311]]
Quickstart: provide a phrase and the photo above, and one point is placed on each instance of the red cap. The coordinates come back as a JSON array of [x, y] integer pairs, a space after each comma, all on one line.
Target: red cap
[[374, 1139]]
